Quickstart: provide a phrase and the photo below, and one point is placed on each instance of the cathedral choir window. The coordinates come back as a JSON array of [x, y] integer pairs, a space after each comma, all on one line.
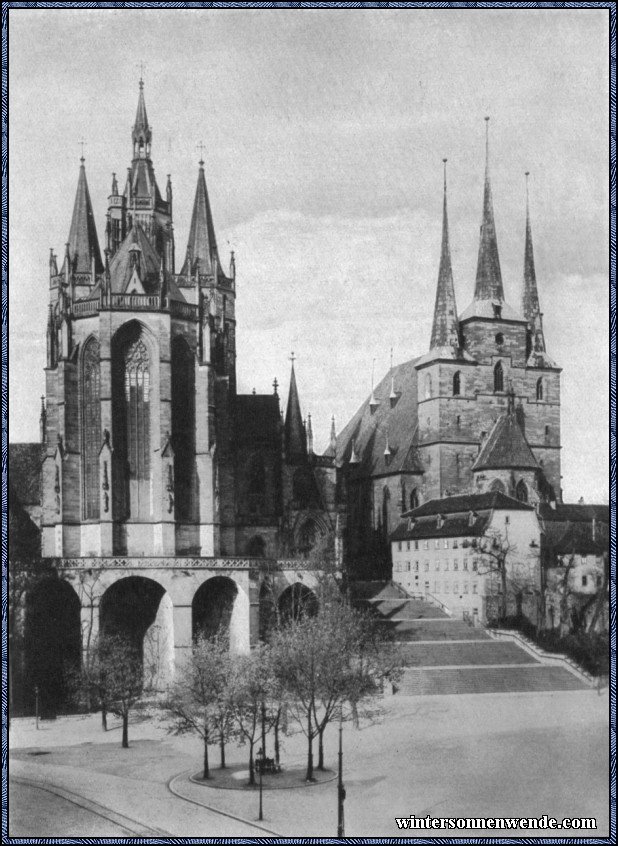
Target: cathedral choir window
[[457, 384], [521, 491], [183, 425], [539, 389], [91, 428], [498, 377]]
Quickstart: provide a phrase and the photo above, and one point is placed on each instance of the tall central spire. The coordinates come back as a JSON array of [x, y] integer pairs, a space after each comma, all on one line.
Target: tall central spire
[[445, 329], [488, 275], [142, 133], [530, 299]]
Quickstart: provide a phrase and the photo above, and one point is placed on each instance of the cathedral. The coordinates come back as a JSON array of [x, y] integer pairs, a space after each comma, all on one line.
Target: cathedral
[[165, 500]]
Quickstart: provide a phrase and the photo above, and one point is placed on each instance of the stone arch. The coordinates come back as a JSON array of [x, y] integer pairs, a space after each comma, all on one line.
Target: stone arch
[[297, 601], [52, 643], [134, 403], [140, 611], [221, 606], [310, 534]]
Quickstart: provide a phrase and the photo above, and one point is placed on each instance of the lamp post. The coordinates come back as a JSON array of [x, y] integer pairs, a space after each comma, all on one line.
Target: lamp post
[[340, 787]]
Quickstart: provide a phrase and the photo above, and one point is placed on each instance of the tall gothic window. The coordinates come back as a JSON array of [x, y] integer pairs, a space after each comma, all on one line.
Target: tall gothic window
[[456, 383], [521, 491], [183, 426], [414, 501], [131, 417], [91, 428], [498, 377], [539, 389]]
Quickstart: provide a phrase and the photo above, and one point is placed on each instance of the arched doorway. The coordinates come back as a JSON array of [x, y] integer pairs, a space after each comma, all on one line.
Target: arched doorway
[[139, 611], [52, 642], [297, 601]]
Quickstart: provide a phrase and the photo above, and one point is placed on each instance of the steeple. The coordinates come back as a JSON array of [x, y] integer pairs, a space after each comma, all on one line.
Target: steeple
[[202, 253], [488, 275], [142, 134], [530, 297], [294, 436], [83, 244], [445, 329]]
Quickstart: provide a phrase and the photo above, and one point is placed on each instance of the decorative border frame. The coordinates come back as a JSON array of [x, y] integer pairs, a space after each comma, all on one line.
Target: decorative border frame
[[6, 6]]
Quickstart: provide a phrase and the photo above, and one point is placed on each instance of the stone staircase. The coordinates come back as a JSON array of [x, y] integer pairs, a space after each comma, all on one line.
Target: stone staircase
[[448, 656]]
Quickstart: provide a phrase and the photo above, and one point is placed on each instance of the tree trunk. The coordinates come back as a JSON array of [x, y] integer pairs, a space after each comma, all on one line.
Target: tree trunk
[[277, 750], [206, 773], [309, 773], [104, 718], [503, 597], [222, 750], [321, 748], [251, 767], [263, 715], [125, 730]]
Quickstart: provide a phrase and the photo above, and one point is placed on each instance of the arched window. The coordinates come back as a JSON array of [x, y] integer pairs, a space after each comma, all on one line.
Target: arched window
[[91, 428], [498, 377], [414, 501], [521, 491], [183, 426], [131, 416], [497, 486], [539, 389], [457, 383], [428, 387]]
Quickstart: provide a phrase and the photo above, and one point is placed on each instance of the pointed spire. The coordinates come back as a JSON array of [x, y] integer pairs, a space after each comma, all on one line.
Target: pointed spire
[[445, 329], [142, 134], [333, 433], [294, 436], [309, 435], [43, 422], [83, 242], [373, 402], [530, 299], [488, 274], [202, 244], [354, 459]]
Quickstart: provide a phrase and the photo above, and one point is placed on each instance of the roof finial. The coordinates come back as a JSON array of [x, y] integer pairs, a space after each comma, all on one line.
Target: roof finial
[[200, 147], [373, 402], [275, 386], [527, 195], [292, 358], [142, 68], [444, 161], [487, 144], [81, 144]]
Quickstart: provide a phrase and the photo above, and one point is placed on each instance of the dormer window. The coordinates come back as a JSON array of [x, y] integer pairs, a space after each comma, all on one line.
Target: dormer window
[[439, 521], [472, 515]]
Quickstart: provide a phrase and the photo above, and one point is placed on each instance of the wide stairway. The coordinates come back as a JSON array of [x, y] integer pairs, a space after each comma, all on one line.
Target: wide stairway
[[446, 656]]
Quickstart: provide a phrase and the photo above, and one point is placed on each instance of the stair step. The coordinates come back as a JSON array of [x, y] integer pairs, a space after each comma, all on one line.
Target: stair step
[[466, 653], [502, 679]]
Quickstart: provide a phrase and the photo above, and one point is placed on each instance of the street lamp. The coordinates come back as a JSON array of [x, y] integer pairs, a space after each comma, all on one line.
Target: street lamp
[[340, 787]]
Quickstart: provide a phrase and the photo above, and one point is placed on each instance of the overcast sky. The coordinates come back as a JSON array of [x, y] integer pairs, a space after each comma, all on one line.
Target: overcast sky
[[324, 133]]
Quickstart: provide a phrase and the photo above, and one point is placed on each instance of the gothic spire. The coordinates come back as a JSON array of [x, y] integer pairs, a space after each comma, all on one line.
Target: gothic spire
[[445, 329], [83, 244], [294, 435], [142, 133], [530, 299], [488, 275], [202, 244]]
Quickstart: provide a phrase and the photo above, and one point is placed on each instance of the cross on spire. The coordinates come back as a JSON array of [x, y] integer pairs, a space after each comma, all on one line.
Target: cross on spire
[[142, 68], [292, 358], [275, 386], [200, 147], [81, 144]]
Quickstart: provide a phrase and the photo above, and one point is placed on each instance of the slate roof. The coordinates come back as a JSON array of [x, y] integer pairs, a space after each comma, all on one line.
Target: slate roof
[[505, 446], [488, 274], [452, 527], [121, 270], [464, 503], [202, 255], [574, 513], [294, 435], [24, 472], [257, 420], [367, 432]]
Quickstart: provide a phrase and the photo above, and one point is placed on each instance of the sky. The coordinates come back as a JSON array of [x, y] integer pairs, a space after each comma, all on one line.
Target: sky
[[324, 133]]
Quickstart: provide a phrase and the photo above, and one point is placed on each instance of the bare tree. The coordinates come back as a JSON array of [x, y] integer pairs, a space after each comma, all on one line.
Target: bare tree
[[199, 700], [497, 558]]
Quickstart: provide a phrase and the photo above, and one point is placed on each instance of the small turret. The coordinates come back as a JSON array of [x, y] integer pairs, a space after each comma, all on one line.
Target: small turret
[[294, 436], [142, 133]]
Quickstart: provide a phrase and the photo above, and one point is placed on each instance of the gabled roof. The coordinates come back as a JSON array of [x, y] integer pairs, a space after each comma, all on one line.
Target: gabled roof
[[456, 526], [202, 255], [505, 447], [121, 269], [464, 503], [24, 472], [83, 241], [574, 513], [367, 433]]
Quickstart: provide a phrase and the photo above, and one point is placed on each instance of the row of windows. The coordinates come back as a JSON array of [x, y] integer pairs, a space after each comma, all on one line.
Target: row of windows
[[438, 543], [457, 383], [409, 566], [598, 580], [448, 587]]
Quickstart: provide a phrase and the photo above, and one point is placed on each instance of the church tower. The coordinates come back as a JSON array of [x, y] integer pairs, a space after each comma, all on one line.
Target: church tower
[[140, 378], [482, 367]]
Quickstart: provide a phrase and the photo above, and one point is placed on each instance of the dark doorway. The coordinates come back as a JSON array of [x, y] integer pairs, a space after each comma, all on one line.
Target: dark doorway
[[212, 606]]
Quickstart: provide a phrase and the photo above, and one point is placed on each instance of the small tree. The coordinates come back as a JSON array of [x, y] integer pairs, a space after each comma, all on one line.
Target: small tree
[[498, 559], [199, 701], [111, 678]]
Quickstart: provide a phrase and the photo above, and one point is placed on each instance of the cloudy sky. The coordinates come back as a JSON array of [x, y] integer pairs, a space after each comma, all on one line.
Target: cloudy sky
[[324, 133]]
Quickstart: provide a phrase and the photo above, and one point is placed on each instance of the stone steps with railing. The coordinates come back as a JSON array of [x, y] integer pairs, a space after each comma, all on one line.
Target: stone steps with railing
[[436, 681]]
